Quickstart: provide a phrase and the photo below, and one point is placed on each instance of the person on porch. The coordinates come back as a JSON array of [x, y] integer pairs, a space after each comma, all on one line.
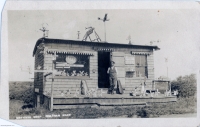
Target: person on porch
[[112, 71]]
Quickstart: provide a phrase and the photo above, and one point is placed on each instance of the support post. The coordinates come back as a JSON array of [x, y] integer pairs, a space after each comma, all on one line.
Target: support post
[[167, 71], [52, 85], [153, 85], [38, 101], [170, 88], [105, 30]]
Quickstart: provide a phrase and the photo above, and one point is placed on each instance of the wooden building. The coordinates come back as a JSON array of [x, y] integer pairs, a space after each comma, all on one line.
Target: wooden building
[[78, 61]]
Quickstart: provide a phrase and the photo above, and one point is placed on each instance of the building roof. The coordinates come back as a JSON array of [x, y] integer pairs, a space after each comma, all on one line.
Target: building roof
[[62, 41]]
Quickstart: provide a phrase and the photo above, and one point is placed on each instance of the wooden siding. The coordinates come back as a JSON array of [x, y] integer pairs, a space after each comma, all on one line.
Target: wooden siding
[[72, 84], [131, 83], [66, 84]]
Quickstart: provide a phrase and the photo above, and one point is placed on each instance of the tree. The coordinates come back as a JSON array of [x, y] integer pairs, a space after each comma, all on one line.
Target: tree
[[186, 85]]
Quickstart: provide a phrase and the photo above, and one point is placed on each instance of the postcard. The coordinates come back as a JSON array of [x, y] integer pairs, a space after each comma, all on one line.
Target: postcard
[[93, 63]]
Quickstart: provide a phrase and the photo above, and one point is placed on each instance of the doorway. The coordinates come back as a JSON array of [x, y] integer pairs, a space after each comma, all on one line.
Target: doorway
[[103, 65]]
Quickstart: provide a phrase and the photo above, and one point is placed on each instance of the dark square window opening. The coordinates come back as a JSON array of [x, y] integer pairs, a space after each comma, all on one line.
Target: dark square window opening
[[129, 74]]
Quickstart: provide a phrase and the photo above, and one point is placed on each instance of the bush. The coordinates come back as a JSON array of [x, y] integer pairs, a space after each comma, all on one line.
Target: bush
[[17, 89], [27, 96], [144, 112], [186, 86]]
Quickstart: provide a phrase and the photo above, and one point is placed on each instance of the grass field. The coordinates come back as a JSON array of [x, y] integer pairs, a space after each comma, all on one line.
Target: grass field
[[177, 109], [156, 110]]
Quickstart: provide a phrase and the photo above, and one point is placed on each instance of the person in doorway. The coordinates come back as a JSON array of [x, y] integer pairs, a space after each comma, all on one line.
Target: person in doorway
[[112, 71]]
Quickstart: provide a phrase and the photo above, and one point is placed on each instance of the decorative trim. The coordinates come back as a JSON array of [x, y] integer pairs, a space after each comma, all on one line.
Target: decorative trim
[[49, 51], [104, 49], [140, 53]]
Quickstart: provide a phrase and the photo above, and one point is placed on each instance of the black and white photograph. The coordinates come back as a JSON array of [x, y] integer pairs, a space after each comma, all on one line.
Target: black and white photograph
[[101, 64]]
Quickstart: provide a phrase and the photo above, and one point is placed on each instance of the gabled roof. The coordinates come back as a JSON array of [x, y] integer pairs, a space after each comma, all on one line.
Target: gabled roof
[[61, 41]]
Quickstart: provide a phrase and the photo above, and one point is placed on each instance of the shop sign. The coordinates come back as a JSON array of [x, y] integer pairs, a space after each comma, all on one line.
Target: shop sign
[[66, 65], [70, 59]]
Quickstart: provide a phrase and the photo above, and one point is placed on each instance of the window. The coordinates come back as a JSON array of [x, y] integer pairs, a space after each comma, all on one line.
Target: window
[[72, 65], [129, 74], [141, 65]]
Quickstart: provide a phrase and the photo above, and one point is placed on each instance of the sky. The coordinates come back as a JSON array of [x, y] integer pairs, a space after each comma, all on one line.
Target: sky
[[177, 32]]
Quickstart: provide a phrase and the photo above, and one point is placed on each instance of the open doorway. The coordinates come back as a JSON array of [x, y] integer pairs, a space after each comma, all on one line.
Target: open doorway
[[103, 64]]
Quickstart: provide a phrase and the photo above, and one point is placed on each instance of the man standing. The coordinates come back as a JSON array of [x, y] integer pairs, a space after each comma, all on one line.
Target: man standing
[[112, 71]]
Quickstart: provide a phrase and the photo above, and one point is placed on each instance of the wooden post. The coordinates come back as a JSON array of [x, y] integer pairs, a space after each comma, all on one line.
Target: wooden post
[[52, 85], [38, 101], [170, 87], [153, 85]]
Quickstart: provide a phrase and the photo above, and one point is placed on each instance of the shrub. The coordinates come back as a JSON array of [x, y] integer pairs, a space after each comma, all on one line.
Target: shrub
[[27, 96], [144, 113], [185, 85]]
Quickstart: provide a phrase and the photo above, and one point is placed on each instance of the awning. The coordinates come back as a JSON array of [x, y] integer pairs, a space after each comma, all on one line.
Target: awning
[[103, 49], [69, 52], [141, 53]]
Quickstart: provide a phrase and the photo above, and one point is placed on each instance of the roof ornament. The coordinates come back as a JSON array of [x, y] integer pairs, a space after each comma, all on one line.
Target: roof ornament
[[44, 30], [129, 38], [90, 31], [104, 20], [78, 34]]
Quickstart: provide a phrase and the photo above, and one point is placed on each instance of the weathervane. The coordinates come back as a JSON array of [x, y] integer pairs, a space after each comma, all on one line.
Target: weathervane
[[44, 30], [90, 31], [104, 20]]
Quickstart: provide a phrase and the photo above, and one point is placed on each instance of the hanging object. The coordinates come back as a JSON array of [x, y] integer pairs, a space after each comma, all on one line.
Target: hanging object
[[90, 31]]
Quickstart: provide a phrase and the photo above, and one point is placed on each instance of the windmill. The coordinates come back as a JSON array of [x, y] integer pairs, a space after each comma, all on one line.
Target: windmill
[[104, 20]]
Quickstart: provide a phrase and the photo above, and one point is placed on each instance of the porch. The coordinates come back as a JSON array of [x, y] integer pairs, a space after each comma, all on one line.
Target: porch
[[62, 102]]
